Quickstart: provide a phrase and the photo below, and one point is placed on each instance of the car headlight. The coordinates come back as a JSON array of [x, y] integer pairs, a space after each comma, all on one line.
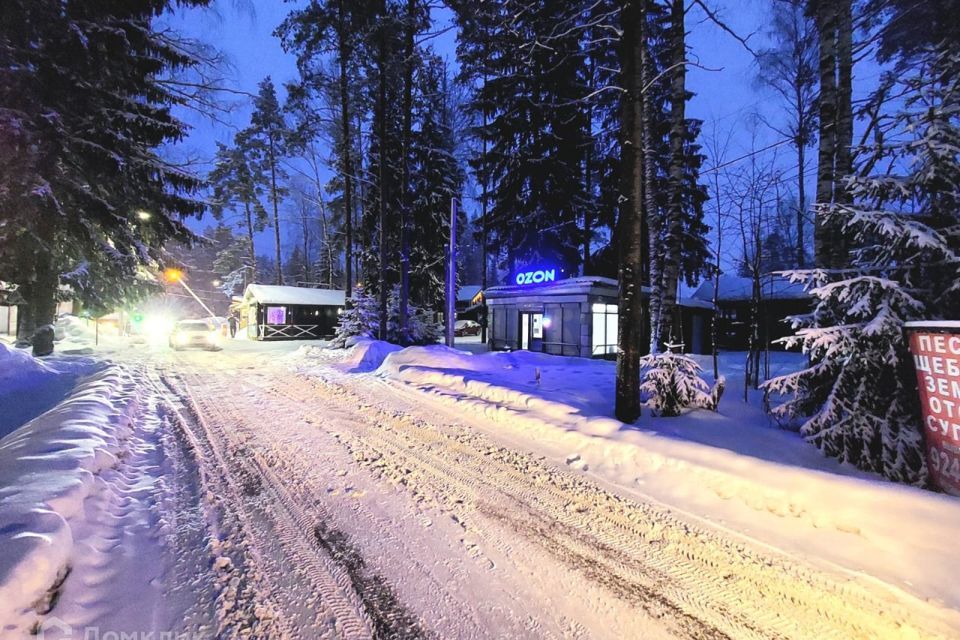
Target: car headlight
[[180, 338], [213, 337]]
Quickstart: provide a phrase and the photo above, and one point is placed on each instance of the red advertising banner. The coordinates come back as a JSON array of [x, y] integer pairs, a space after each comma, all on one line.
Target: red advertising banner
[[936, 355]]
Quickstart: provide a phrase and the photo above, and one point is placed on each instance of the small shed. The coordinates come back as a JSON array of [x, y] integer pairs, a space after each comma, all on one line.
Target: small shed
[[779, 298], [577, 317], [572, 317], [274, 312]]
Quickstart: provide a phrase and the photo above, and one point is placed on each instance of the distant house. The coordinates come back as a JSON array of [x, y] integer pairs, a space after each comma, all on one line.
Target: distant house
[[779, 298], [274, 312], [469, 302]]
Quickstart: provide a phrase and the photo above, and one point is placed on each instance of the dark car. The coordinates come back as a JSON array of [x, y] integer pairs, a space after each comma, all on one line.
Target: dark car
[[195, 333]]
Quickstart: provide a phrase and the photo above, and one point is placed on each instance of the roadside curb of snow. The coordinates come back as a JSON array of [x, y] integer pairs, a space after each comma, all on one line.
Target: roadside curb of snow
[[698, 476], [48, 467]]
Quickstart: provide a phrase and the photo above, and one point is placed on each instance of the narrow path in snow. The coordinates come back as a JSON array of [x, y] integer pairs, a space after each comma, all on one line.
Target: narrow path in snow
[[350, 512]]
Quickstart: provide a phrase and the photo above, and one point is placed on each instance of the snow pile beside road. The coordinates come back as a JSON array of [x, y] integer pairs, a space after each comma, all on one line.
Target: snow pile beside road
[[75, 333], [367, 355], [29, 386], [19, 370], [47, 469], [731, 467]]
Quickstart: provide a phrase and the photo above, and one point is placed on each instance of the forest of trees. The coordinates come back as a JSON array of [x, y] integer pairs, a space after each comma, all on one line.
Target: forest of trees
[[566, 128]]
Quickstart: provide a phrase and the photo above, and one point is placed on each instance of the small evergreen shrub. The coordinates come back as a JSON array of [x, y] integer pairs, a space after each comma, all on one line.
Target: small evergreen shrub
[[671, 382]]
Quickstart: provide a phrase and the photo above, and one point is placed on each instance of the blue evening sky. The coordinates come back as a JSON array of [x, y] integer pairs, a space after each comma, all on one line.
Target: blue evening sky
[[726, 96]]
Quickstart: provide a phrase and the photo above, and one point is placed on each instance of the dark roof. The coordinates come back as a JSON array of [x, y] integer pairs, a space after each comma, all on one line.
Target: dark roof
[[734, 288]]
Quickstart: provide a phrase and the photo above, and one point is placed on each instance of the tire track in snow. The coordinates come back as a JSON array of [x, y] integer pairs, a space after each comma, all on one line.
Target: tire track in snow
[[353, 601], [704, 577]]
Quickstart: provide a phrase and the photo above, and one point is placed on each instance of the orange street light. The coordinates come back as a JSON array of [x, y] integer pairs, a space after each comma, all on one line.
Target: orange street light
[[172, 275]]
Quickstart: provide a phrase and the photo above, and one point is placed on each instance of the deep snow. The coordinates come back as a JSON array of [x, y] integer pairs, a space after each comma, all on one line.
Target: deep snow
[[734, 468], [48, 468], [29, 386]]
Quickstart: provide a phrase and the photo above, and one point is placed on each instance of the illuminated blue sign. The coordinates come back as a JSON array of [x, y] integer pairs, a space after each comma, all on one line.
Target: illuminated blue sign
[[536, 277]]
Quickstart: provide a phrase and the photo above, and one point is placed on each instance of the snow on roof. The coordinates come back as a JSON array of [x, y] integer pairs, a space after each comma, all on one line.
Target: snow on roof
[[736, 288], [695, 303], [275, 294], [467, 292]]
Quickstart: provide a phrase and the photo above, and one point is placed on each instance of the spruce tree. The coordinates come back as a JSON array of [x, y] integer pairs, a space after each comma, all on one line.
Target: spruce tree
[[536, 129], [237, 183], [334, 27], [436, 178], [267, 140], [85, 102], [857, 400]]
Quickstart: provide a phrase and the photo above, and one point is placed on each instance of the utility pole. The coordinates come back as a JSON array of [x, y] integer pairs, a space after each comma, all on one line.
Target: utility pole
[[451, 313]]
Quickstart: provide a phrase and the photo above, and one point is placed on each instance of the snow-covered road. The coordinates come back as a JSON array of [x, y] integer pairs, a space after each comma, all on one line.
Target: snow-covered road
[[346, 506]]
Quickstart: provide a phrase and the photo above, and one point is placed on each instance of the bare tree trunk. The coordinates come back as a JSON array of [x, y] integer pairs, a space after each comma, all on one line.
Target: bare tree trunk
[[43, 304], [650, 211], [678, 129], [801, 204], [485, 241], [347, 153], [305, 223], [25, 317], [826, 19], [633, 43], [362, 187], [381, 168], [405, 169], [588, 170], [327, 242], [252, 269], [276, 208], [843, 165]]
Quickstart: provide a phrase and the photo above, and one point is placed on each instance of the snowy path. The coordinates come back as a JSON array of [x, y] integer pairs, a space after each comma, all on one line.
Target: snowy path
[[347, 508]]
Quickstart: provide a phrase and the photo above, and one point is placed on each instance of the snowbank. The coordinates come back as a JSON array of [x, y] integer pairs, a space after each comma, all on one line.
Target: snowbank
[[29, 386], [47, 468], [732, 468], [366, 354], [19, 370]]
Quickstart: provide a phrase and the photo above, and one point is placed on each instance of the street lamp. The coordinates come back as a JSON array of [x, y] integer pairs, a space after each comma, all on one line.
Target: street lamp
[[172, 275], [144, 215]]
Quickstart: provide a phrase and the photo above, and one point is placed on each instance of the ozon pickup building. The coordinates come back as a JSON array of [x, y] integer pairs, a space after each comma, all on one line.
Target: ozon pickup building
[[573, 316]]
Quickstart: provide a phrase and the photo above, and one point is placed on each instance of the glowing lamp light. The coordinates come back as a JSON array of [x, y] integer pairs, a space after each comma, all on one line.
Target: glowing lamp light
[[172, 275], [547, 322], [144, 215]]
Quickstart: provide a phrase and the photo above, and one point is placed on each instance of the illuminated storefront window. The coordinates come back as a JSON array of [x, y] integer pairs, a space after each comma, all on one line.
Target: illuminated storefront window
[[604, 328]]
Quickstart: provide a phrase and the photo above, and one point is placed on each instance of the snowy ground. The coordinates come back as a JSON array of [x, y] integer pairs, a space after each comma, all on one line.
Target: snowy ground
[[281, 490]]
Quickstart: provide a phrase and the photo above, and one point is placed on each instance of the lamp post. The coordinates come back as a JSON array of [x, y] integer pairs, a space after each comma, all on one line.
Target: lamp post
[[176, 275], [451, 311]]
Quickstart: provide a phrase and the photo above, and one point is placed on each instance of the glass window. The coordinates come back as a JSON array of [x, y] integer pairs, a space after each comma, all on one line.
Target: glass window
[[605, 326], [276, 315]]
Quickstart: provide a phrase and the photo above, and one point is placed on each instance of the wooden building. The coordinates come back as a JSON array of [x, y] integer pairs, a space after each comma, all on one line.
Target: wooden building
[[273, 312], [779, 299]]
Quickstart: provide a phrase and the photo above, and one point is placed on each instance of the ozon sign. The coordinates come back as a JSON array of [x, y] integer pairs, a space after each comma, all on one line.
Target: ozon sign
[[936, 356], [536, 277]]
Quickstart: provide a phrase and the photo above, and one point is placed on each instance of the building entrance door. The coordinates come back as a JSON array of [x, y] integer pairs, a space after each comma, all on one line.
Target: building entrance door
[[524, 330]]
